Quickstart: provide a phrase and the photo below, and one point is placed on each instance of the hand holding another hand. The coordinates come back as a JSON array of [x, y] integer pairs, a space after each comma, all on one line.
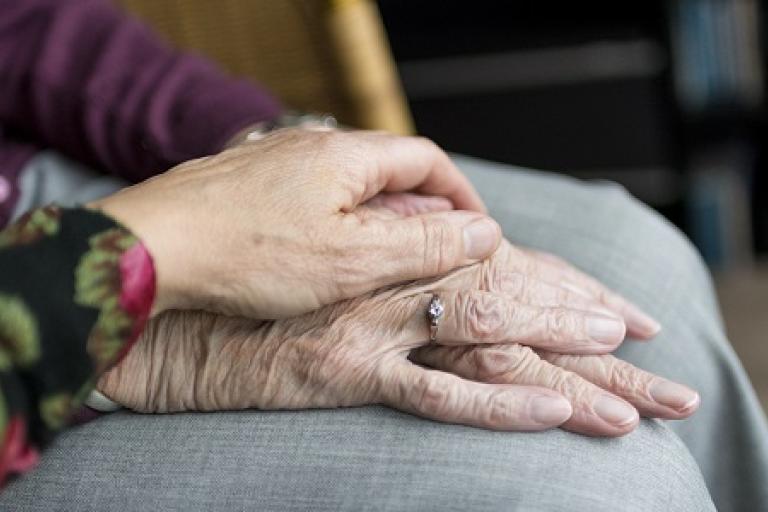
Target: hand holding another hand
[[522, 346], [357, 352], [271, 228]]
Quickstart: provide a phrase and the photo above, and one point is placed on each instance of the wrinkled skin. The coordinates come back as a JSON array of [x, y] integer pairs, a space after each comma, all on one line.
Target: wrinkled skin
[[499, 362]]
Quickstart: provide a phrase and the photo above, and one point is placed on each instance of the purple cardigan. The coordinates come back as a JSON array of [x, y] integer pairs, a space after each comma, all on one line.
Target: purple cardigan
[[81, 77]]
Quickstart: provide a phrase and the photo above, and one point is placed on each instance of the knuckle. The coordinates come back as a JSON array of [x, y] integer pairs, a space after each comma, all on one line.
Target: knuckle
[[485, 316], [624, 378], [562, 325], [501, 409], [491, 363], [442, 246], [514, 284], [432, 397], [565, 382], [503, 363]]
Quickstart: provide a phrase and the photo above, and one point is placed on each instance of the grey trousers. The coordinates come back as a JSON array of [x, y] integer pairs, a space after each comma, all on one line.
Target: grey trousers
[[373, 458]]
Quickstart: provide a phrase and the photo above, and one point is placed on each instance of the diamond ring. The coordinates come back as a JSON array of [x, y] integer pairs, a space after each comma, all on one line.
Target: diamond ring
[[434, 313]]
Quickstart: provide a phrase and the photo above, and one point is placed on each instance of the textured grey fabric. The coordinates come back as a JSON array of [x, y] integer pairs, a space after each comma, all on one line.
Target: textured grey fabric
[[368, 458], [49, 177], [376, 459]]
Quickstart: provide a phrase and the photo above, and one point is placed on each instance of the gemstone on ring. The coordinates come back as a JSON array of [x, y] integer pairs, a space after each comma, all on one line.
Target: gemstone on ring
[[435, 310], [434, 313]]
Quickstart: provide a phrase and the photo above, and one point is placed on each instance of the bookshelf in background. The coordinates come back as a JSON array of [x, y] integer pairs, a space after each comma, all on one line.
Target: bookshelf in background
[[719, 77], [760, 184], [664, 97]]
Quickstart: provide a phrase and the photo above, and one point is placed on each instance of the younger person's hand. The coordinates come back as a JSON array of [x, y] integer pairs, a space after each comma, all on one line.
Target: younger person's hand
[[270, 228]]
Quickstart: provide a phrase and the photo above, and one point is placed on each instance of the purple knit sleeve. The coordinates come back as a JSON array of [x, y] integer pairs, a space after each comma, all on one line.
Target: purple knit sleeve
[[96, 84]]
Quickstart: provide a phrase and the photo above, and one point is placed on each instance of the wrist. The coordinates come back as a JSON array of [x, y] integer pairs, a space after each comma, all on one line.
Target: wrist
[[166, 292], [289, 119]]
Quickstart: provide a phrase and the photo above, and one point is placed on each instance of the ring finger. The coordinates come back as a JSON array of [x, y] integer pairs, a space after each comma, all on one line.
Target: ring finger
[[480, 317]]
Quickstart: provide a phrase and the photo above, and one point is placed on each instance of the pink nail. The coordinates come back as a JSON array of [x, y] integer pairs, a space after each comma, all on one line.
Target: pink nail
[[605, 329], [614, 411], [674, 395], [480, 238], [550, 410], [640, 322]]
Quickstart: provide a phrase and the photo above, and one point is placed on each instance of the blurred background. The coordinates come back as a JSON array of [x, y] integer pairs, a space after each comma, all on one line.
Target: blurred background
[[667, 98]]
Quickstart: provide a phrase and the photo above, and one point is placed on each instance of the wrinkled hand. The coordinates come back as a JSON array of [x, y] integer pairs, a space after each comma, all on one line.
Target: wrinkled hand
[[538, 277], [605, 392], [355, 352], [348, 354], [546, 280], [271, 228]]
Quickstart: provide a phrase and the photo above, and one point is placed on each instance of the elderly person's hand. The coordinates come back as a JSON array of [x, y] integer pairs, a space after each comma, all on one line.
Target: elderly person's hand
[[270, 228], [354, 353], [542, 278]]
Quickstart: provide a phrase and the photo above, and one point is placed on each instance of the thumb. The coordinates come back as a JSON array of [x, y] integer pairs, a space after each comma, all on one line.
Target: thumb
[[432, 244]]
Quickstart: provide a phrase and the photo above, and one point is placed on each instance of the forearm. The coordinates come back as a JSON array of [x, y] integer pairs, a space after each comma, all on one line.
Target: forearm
[[80, 76]]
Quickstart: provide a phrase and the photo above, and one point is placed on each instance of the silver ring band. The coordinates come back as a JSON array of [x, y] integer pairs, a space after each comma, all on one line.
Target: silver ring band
[[435, 312]]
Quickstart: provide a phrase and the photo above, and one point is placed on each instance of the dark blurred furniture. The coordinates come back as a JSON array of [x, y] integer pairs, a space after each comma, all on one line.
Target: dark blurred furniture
[[316, 55], [663, 97]]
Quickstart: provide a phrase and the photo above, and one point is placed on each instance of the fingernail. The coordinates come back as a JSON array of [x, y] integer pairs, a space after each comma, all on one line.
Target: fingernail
[[480, 238], [640, 322], [674, 395], [550, 410], [605, 329], [614, 411]]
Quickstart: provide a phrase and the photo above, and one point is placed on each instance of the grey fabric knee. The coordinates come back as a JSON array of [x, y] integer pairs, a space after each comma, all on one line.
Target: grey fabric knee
[[369, 458]]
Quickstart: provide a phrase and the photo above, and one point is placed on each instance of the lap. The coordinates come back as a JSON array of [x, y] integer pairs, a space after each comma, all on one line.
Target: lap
[[369, 458]]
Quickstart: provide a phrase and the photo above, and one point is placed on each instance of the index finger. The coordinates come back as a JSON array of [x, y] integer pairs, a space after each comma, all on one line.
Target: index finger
[[480, 318]]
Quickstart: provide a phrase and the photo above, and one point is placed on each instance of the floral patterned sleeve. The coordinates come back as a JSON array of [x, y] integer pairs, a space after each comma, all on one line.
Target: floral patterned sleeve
[[76, 289]]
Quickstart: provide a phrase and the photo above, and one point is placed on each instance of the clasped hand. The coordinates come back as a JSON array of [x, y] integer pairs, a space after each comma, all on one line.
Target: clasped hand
[[296, 224], [371, 349]]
